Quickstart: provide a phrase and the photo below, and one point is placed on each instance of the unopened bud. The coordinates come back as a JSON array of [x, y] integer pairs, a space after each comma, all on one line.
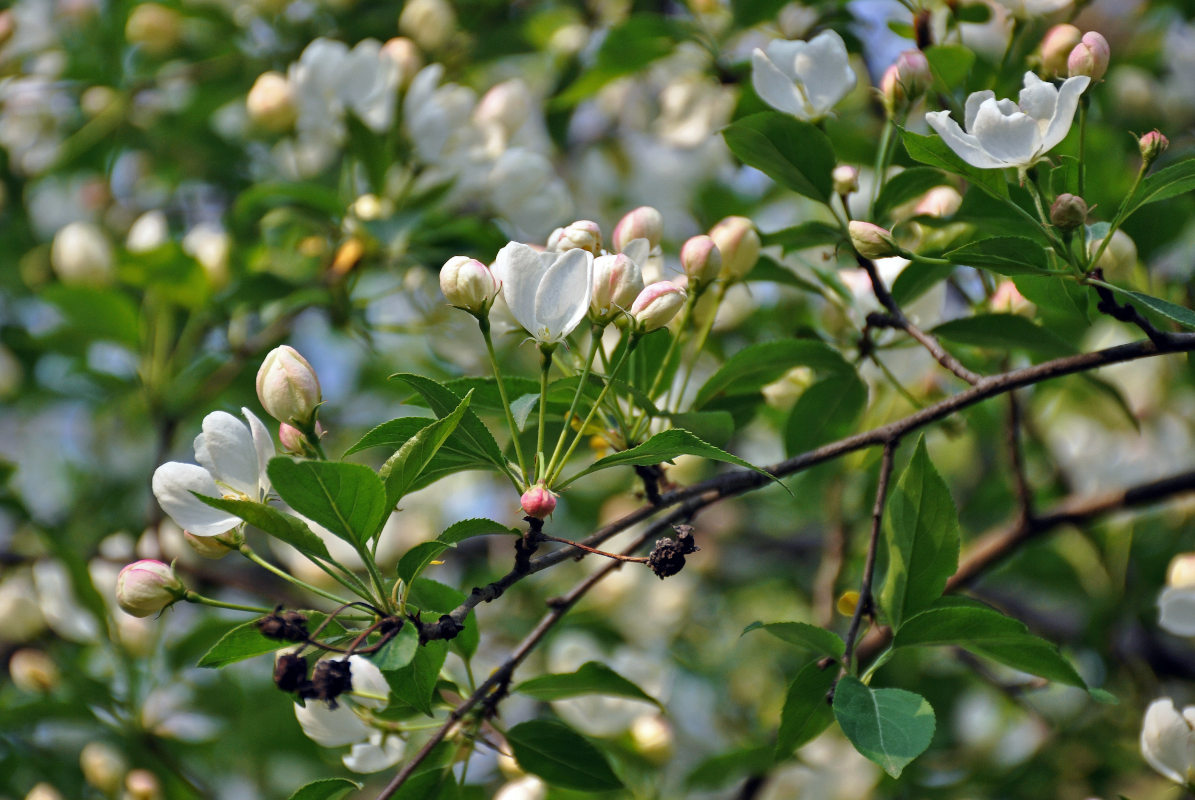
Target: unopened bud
[[1181, 572], [271, 102], [469, 284], [656, 305], [103, 766], [146, 587], [846, 179], [295, 441], [1152, 145], [156, 28], [506, 104], [1068, 212], [1056, 47], [1118, 258], [405, 53], [211, 246], [617, 281], [940, 201], [148, 232], [739, 244], [905, 81], [215, 546], [871, 241], [33, 671], [653, 738], [81, 255], [1089, 57], [1007, 299], [44, 791], [430, 23], [538, 502], [288, 387], [583, 234], [644, 222], [141, 784], [701, 260]]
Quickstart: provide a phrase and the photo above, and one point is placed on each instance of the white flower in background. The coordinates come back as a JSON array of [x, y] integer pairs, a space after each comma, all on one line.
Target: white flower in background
[[527, 787], [506, 105], [1176, 603], [82, 256], [211, 246], [149, 232], [232, 460], [1025, 9], [1168, 741], [430, 23], [372, 750], [805, 79], [379, 753], [1001, 133], [548, 293], [436, 117], [526, 191]]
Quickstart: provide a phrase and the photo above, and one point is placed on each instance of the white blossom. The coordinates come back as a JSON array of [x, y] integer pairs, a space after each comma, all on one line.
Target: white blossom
[[1168, 740], [1034, 8], [805, 79], [548, 293]]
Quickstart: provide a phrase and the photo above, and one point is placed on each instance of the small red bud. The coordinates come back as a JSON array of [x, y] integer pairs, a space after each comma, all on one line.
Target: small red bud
[[538, 502]]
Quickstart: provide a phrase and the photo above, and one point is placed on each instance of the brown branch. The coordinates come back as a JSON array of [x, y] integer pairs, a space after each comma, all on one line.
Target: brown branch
[[895, 318], [1016, 458], [873, 546]]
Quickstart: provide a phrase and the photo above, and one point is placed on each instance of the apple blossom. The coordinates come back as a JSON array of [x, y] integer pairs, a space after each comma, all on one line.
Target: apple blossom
[[617, 281], [870, 240], [1056, 47], [341, 725], [468, 284], [405, 54], [905, 81], [548, 293], [1152, 145], [1090, 56], [805, 79], [146, 587], [1001, 133], [739, 244], [583, 234], [1168, 740], [656, 305], [33, 671], [1118, 257], [103, 766], [232, 460], [1176, 603], [141, 784], [148, 232], [154, 27], [81, 255], [288, 387], [538, 502], [1034, 8], [271, 102], [701, 260], [430, 23], [644, 222]]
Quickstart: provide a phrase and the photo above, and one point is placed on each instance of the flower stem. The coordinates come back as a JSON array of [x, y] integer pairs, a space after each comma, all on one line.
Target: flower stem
[[1084, 102], [594, 346], [883, 155], [546, 365], [484, 324], [250, 554], [702, 336], [195, 597]]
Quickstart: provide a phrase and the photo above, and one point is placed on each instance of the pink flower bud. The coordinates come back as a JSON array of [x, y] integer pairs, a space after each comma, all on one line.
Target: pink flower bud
[[1056, 47], [271, 102], [33, 671], [643, 223], [583, 234], [469, 284], [288, 387], [701, 259], [617, 281], [905, 81], [141, 784], [871, 241], [940, 201], [656, 305], [146, 587], [1152, 145], [1089, 57], [739, 244], [405, 53], [538, 502], [846, 179]]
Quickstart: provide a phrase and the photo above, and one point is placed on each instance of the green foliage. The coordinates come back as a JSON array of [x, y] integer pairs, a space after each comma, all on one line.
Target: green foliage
[[325, 789], [807, 711], [561, 756], [802, 634], [590, 678], [795, 154], [889, 726], [347, 499]]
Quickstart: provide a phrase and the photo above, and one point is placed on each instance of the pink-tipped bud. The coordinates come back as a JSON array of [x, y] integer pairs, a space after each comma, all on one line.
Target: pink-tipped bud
[[1056, 47], [643, 223], [469, 284], [141, 784], [271, 102], [940, 201], [405, 53], [146, 587], [1007, 299], [506, 105], [1152, 145], [871, 241], [701, 260], [739, 244], [538, 502], [288, 387], [905, 81], [617, 281], [1089, 57], [656, 305], [846, 179], [583, 234]]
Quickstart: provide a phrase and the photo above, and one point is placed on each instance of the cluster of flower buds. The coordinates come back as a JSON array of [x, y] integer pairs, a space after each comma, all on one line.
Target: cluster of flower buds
[[1066, 52]]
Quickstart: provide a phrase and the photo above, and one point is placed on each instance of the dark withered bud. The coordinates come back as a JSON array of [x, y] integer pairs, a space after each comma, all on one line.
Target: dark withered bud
[[288, 626], [1068, 212], [290, 672], [668, 556], [331, 679]]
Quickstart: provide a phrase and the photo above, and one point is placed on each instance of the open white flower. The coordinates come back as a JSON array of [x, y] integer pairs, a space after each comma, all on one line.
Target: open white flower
[[805, 79], [1001, 133], [379, 753], [372, 750], [1168, 740], [1027, 9], [232, 460], [548, 293]]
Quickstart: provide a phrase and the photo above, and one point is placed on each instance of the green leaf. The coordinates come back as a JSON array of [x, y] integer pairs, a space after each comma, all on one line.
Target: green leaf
[[933, 151], [918, 278], [245, 641], [1056, 297], [1007, 255], [757, 365], [415, 684], [417, 559], [922, 539], [665, 447], [715, 427], [277, 524], [561, 756], [907, 185], [1004, 332], [986, 632], [802, 634], [1164, 184], [399, 651], [394, 433], [521, 408], [725, 768], [950, 64], [468, 528], [888, 726], [325, 789], [347, 499], [813, 233], [767, 269], [590, 678], [402, 469], [626, 48], [795, 154], [806, 712], [476, 439], [1183, 316], [752, 12], [104, 314], [826, 411], [260, 197]]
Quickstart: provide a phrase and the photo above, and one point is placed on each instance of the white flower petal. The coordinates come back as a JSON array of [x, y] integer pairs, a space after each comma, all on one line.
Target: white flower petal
[[1038, 99], [1013, 139], [775, 88], [964, 144], [824, 71], [173, 484], [1176, 606], [521, 268], [369, 684], [1166, 740], [381, 752], [638, 250], [562, 299], [229, 452], [263, 444], [784, 54], [1064, 113], [331, 727], [974, 101]]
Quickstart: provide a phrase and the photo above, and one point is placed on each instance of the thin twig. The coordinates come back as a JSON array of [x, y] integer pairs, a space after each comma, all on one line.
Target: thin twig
[[1016, 458], [595, 551], [873, 545]]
